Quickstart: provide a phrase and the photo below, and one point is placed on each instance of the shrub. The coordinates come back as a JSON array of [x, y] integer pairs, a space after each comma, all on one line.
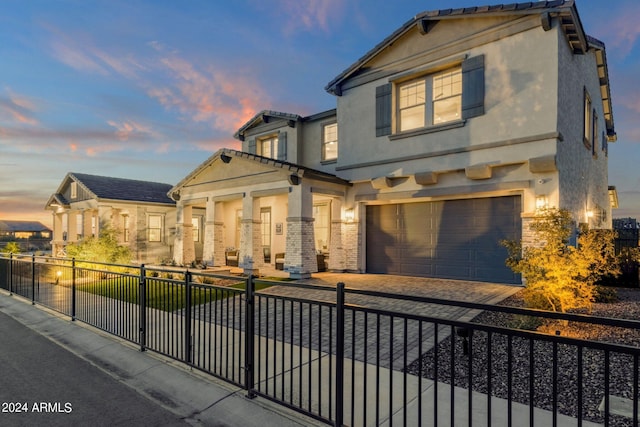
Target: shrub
[[104, 249], [559, 276], [11, 248]]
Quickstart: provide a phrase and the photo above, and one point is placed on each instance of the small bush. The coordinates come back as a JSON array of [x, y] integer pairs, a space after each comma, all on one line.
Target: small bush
[[605, 294]]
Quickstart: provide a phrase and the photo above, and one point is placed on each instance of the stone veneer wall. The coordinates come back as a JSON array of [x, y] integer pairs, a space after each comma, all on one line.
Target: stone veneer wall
[[352, 237], [250, 232], [336, 247], [300, 258]]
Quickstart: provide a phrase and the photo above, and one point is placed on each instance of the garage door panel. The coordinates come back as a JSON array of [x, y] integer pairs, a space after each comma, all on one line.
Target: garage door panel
[[450, 239]]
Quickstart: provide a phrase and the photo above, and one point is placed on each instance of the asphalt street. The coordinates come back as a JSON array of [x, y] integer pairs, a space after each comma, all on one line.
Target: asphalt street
[[43, 384]]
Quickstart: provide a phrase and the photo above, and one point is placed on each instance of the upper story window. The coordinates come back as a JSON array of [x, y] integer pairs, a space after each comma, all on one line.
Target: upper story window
[[330, 141], [154, 228], [74, 190], [588, 124], [269, 147], [273, 146], [429, 101]]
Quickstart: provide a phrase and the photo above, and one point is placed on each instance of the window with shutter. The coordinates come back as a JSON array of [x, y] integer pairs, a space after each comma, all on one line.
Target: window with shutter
[[282, 146], [588, 120], [432, 99], [383, 110], [473, 87]]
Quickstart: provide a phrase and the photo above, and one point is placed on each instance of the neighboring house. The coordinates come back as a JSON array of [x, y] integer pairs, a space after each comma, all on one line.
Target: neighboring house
[[140, 211], [30, 235], [446, 139]]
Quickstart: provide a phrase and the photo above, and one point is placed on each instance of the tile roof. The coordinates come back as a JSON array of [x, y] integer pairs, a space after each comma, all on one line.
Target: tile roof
[[295, 169], [22, 226], [264, 116], [104, 187], [500, 9]]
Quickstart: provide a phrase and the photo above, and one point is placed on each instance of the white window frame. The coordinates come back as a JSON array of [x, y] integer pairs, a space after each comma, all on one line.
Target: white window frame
[[588, 120], [272, 150], [329, 137], [125, 228], [159, 229], [322, 222], [195, 222], [417, 99]]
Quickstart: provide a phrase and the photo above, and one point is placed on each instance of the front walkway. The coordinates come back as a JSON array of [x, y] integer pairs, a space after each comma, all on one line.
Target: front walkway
[[454, 290]]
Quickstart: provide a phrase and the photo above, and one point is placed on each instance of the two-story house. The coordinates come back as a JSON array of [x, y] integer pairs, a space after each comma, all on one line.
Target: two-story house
[[447, 137], [140, 211]]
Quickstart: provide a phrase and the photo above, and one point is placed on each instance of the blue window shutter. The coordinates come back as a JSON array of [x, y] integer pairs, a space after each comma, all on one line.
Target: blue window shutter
[[282, 146], [473, 87], [383, 110], [252, 146]]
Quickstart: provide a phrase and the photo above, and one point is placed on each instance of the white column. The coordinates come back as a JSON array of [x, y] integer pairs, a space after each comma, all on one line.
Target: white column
[[210, 244]]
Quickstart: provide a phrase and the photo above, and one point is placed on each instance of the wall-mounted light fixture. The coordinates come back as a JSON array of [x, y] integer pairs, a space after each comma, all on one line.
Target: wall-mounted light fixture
[[542, 202], [294, 179], [349, 215]]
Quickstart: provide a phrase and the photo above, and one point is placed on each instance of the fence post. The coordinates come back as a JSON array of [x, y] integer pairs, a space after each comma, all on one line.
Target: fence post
[[33, 279], [10, 274], [249, 351], [187, 317], [142, 301], [73, 289], [340, 355]]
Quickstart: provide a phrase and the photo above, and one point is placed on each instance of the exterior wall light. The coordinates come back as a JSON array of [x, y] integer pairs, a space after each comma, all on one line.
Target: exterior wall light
[[349, 215], [542, 202]]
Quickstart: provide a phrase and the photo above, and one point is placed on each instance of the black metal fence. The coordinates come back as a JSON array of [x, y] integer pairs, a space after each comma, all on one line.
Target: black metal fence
[[315, 350]]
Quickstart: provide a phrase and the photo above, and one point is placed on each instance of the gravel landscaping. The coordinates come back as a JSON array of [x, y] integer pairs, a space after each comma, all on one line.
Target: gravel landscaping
[[566, 384]]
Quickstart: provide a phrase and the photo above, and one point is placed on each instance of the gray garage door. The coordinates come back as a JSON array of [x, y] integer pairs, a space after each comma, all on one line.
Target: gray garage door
[[455, 239]]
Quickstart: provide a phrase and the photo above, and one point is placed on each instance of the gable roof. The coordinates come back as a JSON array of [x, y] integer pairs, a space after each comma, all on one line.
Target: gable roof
[[564, 9], [110, 188], [227, 154], [265, 116], [16, 226]]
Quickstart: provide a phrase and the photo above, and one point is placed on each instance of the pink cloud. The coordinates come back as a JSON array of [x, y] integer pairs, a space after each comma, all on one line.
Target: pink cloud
[[226, 100], [309, 15], [129, 128], [79, 53], [18, 109], [621, 31]]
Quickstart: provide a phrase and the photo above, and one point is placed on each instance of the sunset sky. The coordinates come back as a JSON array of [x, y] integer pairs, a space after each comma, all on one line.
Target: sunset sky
[[149, 89]]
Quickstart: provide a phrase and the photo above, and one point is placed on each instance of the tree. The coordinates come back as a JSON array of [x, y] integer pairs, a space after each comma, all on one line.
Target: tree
[[559, 276], [11, 248], [104, 248]]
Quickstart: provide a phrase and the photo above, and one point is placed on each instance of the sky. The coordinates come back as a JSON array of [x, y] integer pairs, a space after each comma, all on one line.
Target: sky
[[149, 89]]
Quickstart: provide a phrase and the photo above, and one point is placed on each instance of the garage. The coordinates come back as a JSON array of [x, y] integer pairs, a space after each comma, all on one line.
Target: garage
[[453, 239]]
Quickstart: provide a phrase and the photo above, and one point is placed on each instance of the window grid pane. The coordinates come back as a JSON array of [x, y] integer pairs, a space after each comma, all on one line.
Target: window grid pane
[[447, 96], [155, 228], [330, 142]]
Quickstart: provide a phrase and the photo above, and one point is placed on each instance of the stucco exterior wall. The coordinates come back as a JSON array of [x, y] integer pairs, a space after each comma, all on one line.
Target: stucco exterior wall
[[584, 173], [520, 74]]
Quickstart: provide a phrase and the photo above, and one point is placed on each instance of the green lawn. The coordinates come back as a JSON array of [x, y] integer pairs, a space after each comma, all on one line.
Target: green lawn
[[162, 295]]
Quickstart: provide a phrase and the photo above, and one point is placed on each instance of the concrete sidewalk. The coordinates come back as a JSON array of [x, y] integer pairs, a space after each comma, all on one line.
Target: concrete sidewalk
[[197, 398]]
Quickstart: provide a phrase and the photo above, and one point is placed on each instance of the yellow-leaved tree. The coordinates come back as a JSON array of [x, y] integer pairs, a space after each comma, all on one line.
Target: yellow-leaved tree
[[559, 276]]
